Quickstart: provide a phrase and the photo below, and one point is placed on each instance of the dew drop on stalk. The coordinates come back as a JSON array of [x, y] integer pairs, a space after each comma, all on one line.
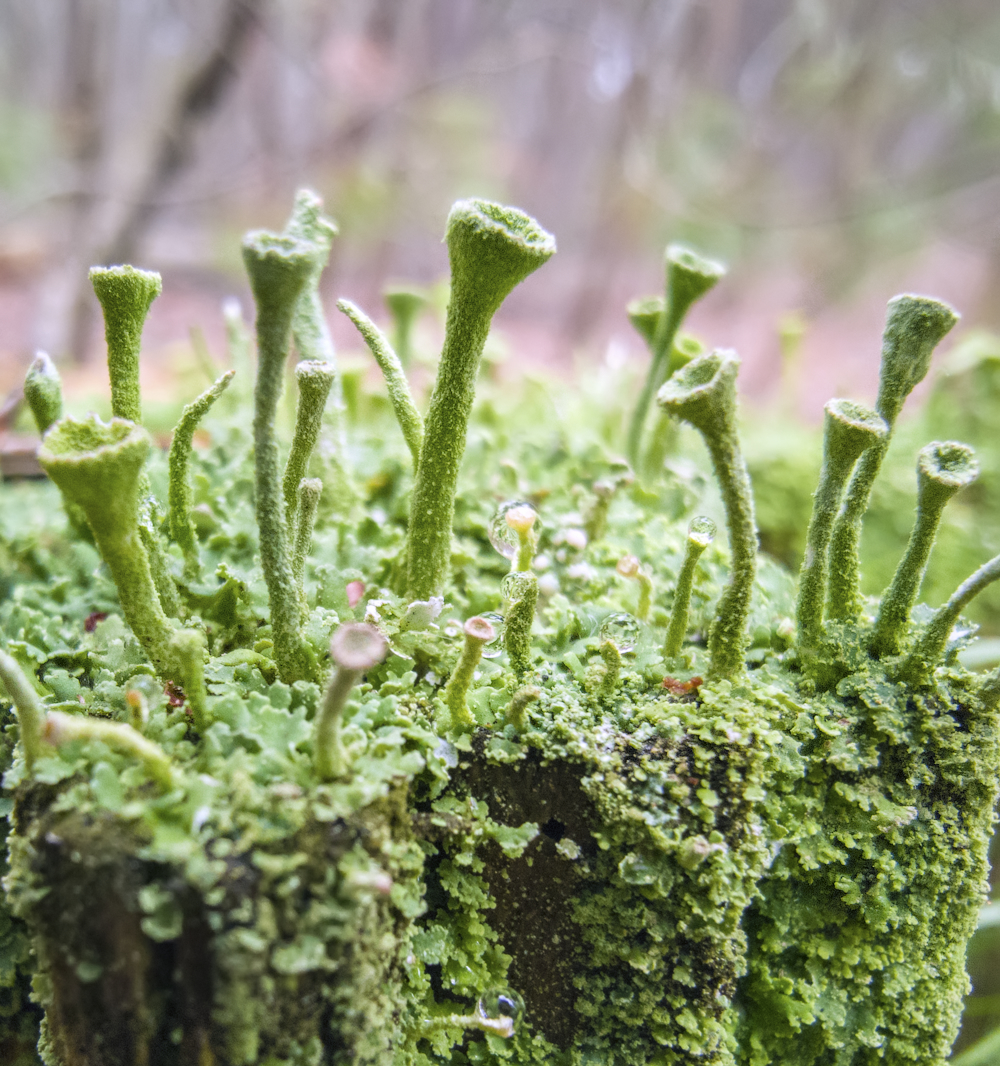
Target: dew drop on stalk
[[494, 647], [503, 536], [702, 530], [496, 1004], [621, 629]]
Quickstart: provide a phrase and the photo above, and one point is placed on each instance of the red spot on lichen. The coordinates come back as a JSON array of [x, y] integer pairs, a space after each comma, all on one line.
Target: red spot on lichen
[[90, 624], [681, 688], [355, 590], [175, 694]]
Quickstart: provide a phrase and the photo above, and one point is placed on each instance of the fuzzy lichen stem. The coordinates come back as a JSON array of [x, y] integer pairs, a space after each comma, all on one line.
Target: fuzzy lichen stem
[[315, 381], [612, 659], [688, 277], [918, 666], [179, 493], [914, 325], [491, 249], [396, 383], [942, 469], [701, 533], [188, 652], [125, 295], [849, 429], [310, 331], [355, 648], [99, 467], [27, 707], [704, 394], [64, 728], [478, 632], [43, 392], [310, 489], [522, 521], [278, 268], [522, 592], [629, 566]]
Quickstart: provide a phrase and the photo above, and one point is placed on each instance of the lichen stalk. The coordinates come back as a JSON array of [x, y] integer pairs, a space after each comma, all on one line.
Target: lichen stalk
[[522, 592], [478, 632], [701, 533], [688, 277], [918, 666], [43, 392], [314, 381], [354, 648], [942, 469], [491, 249], [187, 649], [704, 394], [612, 678], [405, 410], [27, 707], [629, 566], [99, 467], [849, 428], [65, 728], [519, 703], [278, 268], [179, 491], [914, 325], [310, 490], [522, 521]]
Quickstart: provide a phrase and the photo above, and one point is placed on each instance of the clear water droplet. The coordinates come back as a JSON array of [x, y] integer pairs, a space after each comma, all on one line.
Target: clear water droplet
[[494, 647], [501, 535], [622, 630], [496, 1004], [702, 531]]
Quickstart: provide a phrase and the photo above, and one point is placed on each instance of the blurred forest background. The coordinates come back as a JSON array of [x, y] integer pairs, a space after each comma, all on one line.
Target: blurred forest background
[[832, 152]]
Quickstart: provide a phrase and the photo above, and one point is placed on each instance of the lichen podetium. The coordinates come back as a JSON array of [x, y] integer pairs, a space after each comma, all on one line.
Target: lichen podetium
[[620, 797]]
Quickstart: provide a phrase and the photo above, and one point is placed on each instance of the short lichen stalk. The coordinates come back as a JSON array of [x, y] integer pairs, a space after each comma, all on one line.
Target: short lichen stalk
[[491, 249], [701, 533], [521, 520], [180, 495], [914, 326], [278, 268], [405, 306], [688, 277], [942, 469], [43, 392], [629, 566], [849, 429], [354, 649], [478, 632], [521, 590], [611, 657], [310, 490], [125, 295], [704, 394], [314, 381], [919, 665]]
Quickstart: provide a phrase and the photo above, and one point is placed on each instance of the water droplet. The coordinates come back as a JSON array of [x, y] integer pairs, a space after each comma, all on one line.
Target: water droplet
[[702, 530], [502, 535], [495, 646], [622, 630], [497, 1004]]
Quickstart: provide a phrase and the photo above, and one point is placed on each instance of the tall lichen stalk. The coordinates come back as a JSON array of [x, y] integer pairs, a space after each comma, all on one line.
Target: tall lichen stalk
[[348, 827]]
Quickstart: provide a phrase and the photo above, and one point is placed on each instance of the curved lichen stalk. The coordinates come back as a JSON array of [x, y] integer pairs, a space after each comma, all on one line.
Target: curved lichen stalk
[[704, 394]]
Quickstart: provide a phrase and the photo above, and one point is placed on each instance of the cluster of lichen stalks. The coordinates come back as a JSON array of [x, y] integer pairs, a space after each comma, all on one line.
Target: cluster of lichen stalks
[[99, 468]]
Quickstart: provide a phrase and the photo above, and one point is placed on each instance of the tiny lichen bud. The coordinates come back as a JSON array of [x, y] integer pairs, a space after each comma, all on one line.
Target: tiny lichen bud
[[478, 632], [355, 648], [849, 429], [138, 709], [701, 533], [942, 469], [491, 249], [704, 394], [524, 696], [43, 392], [521, 520], [644, 313]]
